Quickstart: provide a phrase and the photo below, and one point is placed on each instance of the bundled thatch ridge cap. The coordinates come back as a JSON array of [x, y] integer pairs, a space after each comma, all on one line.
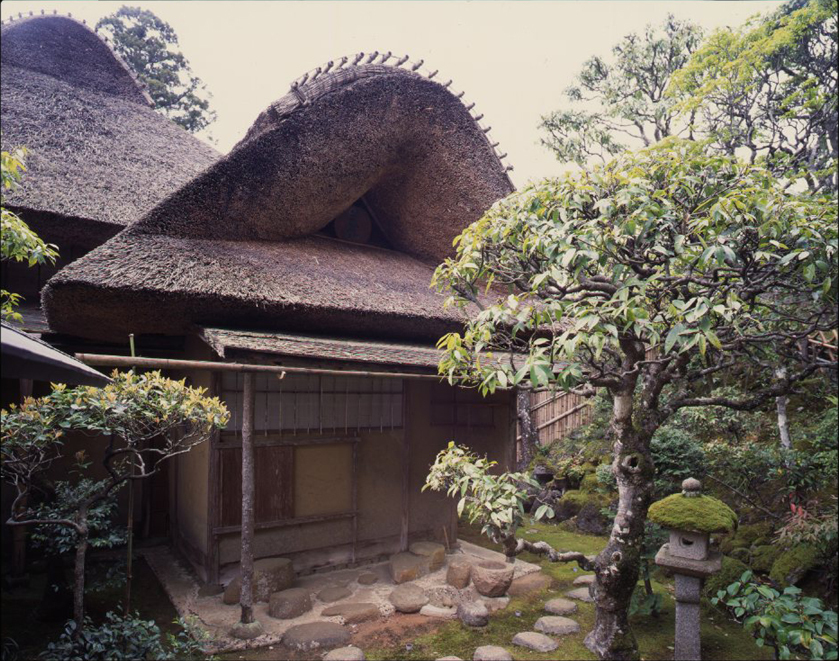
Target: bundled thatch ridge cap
[[119, 85]]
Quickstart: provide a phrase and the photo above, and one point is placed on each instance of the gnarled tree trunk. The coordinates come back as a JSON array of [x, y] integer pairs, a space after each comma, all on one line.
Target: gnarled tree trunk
[[618, 566], [529, 434], [78, 571]]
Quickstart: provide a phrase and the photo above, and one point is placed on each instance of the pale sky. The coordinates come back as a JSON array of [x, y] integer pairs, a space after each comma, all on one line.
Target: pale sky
[[513, 59]]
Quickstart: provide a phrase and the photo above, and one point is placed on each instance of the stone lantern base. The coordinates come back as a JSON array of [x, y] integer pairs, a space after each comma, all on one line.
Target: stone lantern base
[[689, 566]]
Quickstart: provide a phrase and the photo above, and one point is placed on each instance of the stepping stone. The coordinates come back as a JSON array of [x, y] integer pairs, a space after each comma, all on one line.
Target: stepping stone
[[439, 612], [491, 653], [408, 598], [315, 635], [444, 595], [449, 658], [334, 593], [560, 606], [587, 579], [527, 584], [532, 640], [458, 573], [348, 653], [353, 612], [270, 575], [581, 594], [473, 613], [556, 625], [288, 604], [368, 578], [406, 567], [436, 553], [496, 603]]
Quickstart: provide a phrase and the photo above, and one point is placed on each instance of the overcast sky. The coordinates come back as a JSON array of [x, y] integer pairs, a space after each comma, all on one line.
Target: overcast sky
[[513, 59]]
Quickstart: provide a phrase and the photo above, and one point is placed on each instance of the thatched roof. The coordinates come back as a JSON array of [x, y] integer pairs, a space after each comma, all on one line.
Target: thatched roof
[[99, 156], [235, 246]]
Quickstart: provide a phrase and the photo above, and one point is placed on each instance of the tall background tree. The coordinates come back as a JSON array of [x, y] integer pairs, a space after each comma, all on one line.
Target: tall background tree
[[149, 45], [656, 277]]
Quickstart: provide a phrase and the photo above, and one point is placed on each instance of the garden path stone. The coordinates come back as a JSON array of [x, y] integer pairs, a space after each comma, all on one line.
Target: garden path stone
[[408, 598], [556, 625], [496, 603], [334, 593], [353, 612], [586, 579], [580, 594], [440, 612], [458, 573], [368, 578], [560, 606], [316, 634], [288, 604], [473, 613], [348, 653], [436, 553], [449, 658], [529, 583], [491, 653], [533, 640], [269, 575], [406, 567]]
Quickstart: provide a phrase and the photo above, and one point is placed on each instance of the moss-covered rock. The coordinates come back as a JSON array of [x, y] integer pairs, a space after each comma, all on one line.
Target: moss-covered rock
[[732, 570], [764, 556], [694, 513], [742, 554], [791, 566], [588, 467], [590, 483], [573, 501], [747, 535]]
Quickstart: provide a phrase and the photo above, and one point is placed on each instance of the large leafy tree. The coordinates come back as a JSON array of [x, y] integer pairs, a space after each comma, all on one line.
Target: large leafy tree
[[621, 103], [149, 46], [769, 90], [654, 277]]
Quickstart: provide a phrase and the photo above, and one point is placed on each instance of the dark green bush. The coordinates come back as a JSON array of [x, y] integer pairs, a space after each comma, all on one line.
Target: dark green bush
[[677, 455], [732, 570]]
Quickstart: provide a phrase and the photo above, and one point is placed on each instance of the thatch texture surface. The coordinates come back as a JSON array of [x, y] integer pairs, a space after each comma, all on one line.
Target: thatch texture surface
[[227, 341], [405, 142], [154, 284], [97, 151]]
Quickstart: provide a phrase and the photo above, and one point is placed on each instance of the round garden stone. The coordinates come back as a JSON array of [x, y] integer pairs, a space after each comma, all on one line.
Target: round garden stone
[[408, 598], [353, 612], [556, 625], [473, 613], [580, 594], [288, 604], [533, 640], [561, 606], [440, 612], [530, 583], [334, 593], [586, 579], [491, 653], [315, 635], [247, 631], [491, 578], [368, 578], [348, 653], [406, 567], [436, 553], [458, 573]]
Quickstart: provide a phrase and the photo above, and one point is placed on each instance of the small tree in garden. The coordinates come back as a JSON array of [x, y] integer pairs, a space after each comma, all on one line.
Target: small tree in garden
[[128, 413], [653, 277]]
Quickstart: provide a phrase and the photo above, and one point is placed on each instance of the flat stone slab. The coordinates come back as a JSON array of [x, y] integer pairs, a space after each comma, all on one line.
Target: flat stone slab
[[408, 598], [440, 612], [556, 625], [368, 578], [288, 604], [449, 658], [334, 593], [406, 567], [586, 579], [529, 583], [436, 553], [348, 653], [353, 612], [496, 603], [315, 635], [560, 606], [491, 653], [580, 594], [533, 640]]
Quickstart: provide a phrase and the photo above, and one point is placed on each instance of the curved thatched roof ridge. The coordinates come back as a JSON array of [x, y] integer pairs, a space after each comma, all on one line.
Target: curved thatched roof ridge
[[98, 153], [67, 49], [402, 141]]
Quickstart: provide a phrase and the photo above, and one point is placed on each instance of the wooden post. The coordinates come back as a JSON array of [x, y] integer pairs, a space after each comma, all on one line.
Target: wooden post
[[406, 473], [246, 599], [211, 568]]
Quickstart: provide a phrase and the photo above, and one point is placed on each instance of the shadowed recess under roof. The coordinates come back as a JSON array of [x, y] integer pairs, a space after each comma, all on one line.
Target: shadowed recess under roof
[[405, 143]]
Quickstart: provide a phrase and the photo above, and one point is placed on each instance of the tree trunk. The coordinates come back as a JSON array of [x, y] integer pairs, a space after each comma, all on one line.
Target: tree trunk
[[618, 565], [246, 600], [529, 434], [783, 422], [78, 572]]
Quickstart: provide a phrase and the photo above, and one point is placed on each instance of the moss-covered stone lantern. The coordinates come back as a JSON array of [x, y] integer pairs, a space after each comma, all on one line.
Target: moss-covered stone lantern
[[691, 518]]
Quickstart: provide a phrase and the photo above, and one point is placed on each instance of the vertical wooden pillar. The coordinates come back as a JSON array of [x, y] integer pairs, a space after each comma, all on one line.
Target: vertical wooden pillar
[[214, 492], [406, 471], [246, 599]]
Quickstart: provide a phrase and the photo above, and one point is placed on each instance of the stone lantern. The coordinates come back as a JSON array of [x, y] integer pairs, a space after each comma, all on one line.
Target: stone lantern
[[691, 518]]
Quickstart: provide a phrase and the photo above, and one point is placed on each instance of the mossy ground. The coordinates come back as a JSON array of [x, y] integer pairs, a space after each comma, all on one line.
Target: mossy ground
[[721, 638]]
